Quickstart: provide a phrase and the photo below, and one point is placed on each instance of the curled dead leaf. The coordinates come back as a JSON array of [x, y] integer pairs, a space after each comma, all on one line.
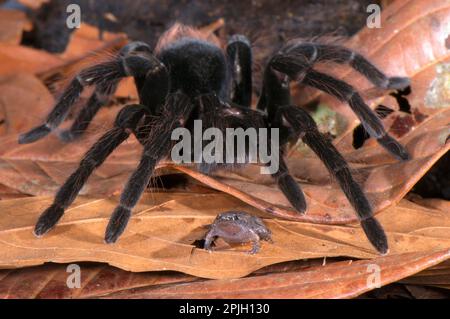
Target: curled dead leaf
[[344, 279], [12, 24], [300, 279], [147, 243]]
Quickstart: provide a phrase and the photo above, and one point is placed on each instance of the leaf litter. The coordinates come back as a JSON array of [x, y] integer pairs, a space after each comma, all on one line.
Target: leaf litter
[[163, 230]]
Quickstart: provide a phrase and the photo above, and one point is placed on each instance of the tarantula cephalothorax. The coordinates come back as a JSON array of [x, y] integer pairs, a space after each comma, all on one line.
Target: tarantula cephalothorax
[[189, 77]]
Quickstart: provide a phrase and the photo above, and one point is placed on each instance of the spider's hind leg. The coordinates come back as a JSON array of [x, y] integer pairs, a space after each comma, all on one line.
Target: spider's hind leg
[[295, 123], [311, 53], [299, 67], [302, 124], [289, 187], [369, 119]]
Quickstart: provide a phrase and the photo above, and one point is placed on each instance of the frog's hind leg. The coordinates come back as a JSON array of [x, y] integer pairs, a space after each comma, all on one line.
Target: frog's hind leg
[[256, 246]]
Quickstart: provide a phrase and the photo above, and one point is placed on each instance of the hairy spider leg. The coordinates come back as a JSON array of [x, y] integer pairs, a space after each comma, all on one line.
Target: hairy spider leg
[[295, 122], [369, 119], [303, 125], [99, 98], [275, 94], [134, 59], [297, 64], [317, 52], [288, 186], [239, 57], [157, 146], [126, 121]]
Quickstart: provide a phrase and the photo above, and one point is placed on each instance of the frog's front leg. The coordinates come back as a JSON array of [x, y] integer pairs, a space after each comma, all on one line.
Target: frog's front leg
[[210, 237]]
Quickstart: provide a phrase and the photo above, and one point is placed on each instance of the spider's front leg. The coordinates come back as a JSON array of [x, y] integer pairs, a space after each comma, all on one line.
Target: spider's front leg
[[126, 121], [157, 146], [154, 75], [99, 98], [135, 59]]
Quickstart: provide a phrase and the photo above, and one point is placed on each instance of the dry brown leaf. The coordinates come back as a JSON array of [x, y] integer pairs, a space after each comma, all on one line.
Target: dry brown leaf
[[148, 245], [12, 24], [298, 279], [434, 203], [339, 280], [16, 58], [8, 193], [18, 92], [33, 4], [437, 276], [411, 40], [50, 281], [86, 39]]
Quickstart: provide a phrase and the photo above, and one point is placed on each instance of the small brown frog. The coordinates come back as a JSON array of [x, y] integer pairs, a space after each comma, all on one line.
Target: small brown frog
[[238, 227]]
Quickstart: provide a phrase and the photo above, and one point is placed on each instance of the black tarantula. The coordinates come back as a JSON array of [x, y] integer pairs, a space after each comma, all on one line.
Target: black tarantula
[[189, 77]]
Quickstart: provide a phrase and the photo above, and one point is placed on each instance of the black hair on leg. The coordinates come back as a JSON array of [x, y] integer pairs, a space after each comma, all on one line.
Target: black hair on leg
[[304, 126], [126, 120], [300, 70], [157, 146], [289, 187], [132, 60], [98, 99], [311, 53], [368, 118]]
